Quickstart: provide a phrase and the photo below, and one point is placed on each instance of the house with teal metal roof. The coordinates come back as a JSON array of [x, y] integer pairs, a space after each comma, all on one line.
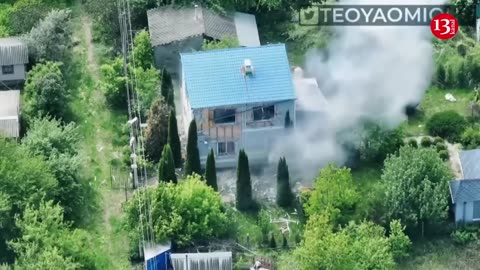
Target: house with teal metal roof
[[239, 98]]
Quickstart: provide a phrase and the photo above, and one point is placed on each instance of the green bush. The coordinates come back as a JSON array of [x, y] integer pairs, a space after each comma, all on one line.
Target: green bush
[[464, 236], [448, 124], [444, 154], [426, 142], [441, 147], [471, 138], [438, 140], [413, 142]]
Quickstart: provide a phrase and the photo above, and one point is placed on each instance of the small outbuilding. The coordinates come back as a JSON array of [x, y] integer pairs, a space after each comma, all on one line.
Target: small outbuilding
[[178, 30], [13, 61], [10, 113]]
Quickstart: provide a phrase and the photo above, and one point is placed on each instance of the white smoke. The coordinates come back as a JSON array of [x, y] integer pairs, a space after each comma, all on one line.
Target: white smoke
[[371, 73]]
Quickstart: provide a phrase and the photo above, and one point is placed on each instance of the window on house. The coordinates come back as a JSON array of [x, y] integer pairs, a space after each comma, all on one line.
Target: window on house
[[263, 112], [7, 69], [224, 116], [476, 210], [226, 148]]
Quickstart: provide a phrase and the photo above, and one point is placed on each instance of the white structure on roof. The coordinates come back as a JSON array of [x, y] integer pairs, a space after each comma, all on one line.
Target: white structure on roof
[[9, 113], [13, 59]]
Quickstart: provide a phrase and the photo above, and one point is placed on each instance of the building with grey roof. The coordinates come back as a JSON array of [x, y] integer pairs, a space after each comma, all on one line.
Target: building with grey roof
[[465, 193], [177, 30], [13, 60], [9, 113]]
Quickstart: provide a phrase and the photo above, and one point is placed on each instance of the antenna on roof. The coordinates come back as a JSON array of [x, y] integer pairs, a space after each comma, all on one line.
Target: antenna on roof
[[247, 68]]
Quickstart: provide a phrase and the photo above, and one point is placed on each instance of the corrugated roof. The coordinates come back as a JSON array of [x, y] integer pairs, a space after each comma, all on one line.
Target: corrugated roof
[[169, 24], [213, 78], [202, 261], [466, 190], [13, 51], [470, 162], [9, 108]]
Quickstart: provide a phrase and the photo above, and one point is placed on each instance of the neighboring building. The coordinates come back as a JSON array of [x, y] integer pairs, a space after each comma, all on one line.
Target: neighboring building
[[466, 200], [465, 192], [158, 257], [10, 113], [13, 60], [239, 98], [202, 261], [177, 30]]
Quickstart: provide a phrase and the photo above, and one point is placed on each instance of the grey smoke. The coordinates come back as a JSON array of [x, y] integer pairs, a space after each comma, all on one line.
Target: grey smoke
[[371, 73]]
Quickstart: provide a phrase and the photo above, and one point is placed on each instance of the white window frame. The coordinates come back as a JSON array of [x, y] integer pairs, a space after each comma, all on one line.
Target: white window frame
[[473, 210], [264, 106], [226, 153]]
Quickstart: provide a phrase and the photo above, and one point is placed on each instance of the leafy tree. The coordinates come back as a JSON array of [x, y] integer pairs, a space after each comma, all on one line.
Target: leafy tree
[[211, 171], [187, 213], [465, 11], [192, 164], [284, 192], [51, 38], [147, 85], [46, 92], [166, 167], [24, 180], [447, 124], [288, 121], [471, 138], [106, 24], [356, 246], [244, 199], [333, 193], [224, 43], [59, 145], [379, 142], [424, 175], [142, 51], [113, 83], [174, 139], [400, 243], [167, 88], [25, 14], [5, 11], [46, 239], [156, 134]]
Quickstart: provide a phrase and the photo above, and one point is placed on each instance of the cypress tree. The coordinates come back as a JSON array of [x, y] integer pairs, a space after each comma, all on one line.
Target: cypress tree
[[166, 88], [174, 139], [211, 171], [284, 192], [166, 167], [441, 75], [244, 199], [288, 121], [192, 165], [273, 243]]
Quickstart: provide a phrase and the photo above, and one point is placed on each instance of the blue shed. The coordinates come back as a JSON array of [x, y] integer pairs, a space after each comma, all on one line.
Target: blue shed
[[158, 257]]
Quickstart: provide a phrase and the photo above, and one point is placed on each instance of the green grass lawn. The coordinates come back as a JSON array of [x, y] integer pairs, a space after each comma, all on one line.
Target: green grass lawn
[[434, 102]]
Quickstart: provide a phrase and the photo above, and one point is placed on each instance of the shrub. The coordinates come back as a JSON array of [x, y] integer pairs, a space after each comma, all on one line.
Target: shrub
[[438, 140], [464, 236], [426, 142], [413, 142], [441, 147], [471, 138], [448, 124], [444, 154]]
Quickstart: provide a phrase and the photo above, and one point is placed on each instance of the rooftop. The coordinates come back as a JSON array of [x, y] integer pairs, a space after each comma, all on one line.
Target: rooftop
[[466, 190], [214, 78], [470, 163], [13, 51], [169, 24]]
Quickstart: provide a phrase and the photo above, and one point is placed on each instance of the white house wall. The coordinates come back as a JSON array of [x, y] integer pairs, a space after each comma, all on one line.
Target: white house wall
[[18, 74], [464, 212]]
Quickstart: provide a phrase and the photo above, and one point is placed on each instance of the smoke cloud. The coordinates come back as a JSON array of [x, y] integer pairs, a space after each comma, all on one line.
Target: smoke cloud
[[366, 73]]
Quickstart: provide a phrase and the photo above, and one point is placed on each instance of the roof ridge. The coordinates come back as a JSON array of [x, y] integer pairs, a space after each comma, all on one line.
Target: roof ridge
[[233, 49]]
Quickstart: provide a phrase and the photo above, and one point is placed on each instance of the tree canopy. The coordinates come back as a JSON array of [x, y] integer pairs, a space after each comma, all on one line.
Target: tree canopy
[[416, 184], [156, 134]]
